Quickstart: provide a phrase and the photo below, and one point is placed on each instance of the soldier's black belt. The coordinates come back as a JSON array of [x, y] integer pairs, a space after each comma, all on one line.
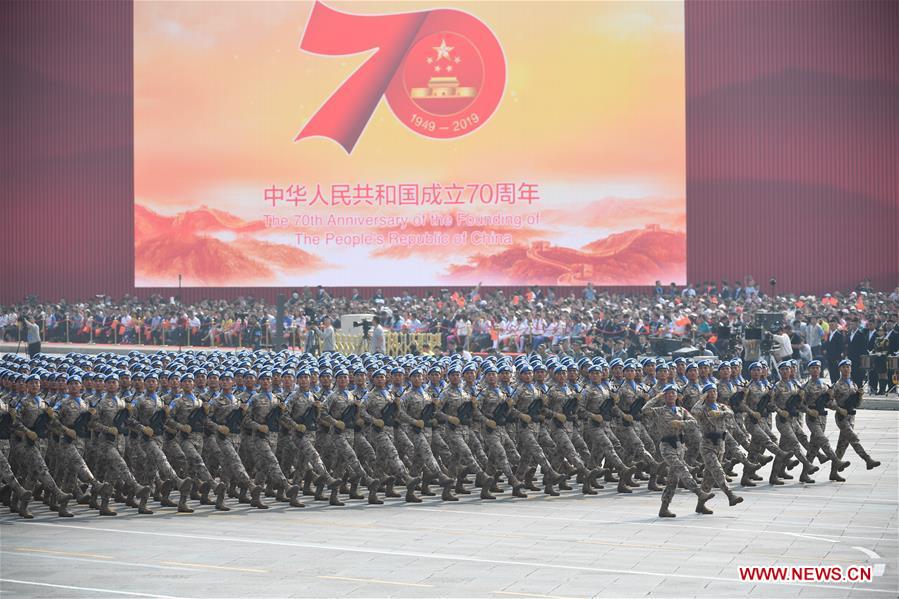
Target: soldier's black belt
[[714, 437], [672, 440], [169, 436]]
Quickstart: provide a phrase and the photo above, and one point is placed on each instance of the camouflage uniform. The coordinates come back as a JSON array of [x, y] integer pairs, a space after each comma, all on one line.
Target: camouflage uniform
[[528, 402], [843, 390], [227, 412], [493, 407], [379, 404], [263, 414], [817, 422], [784, 390], [634, 447], [342, 406], [455, 402], [597, 402], [711, 419], [109, 421], [561, 401], [419, 407], [25, 453], [301, 418], [672, 451]]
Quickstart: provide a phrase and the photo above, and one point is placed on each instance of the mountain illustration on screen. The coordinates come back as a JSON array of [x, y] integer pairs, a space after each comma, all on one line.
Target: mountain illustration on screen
[[211, 247], [634, 257]]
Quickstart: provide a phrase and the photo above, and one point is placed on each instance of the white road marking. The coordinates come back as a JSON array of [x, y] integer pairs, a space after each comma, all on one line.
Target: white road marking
[[91, 589], [868, 552], [814, 538], [618, 522], [377, 581], [107, 562], [444, 557]]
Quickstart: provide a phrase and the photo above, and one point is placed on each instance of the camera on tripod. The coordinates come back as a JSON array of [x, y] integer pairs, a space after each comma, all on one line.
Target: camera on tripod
[[366, 327]]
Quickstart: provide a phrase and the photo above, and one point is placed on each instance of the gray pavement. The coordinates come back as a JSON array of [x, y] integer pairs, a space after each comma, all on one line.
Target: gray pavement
[[603, 546]]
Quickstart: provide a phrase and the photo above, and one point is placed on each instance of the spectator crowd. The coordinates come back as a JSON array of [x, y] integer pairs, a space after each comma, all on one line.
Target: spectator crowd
[[715, 319]]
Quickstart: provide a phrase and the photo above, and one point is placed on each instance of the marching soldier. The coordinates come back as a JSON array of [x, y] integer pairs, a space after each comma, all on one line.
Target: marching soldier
[[148, 416], [342, 417], [456, 414], [847, 398], [382, 409], [711, 419], [493, 408], [786, 398], [671, 420], [527, 411], [598, 404], [110, 421], [816, 396], [226, 414], [418, 413], [30, 423], [72, 415]]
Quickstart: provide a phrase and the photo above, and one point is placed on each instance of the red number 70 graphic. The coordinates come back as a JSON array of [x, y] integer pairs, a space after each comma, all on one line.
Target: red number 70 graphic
[[442, 71]]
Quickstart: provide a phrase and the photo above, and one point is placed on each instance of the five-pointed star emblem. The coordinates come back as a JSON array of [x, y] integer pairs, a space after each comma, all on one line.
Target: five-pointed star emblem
[[443, 51]]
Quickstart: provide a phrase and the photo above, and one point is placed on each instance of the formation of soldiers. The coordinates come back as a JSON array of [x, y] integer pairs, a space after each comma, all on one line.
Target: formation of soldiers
[[108, 428]]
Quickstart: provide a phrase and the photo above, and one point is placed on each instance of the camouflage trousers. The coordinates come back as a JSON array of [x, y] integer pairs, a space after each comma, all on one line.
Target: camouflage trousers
[[423, 459], [761, 438], [364, 450], [27, 460], [343, 459], [231, 468], [693, 440], [712, 453], [601, 446], [803, 439], [388, 462], [788, 440], [113, 465], [267, 468], [677, 470], [461, 441], [300, 452], [818, 438], [404, 446], [440, 448], [848, 437], [72, 467], [153, 461], [496, 454], [561, 436], [634, 449], [532, 453], [733, 450], [7, 476], [509, 444], [196, 467]]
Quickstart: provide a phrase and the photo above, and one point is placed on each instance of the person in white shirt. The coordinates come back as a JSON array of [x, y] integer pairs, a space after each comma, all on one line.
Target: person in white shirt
[[378, 342], [522, 333]]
